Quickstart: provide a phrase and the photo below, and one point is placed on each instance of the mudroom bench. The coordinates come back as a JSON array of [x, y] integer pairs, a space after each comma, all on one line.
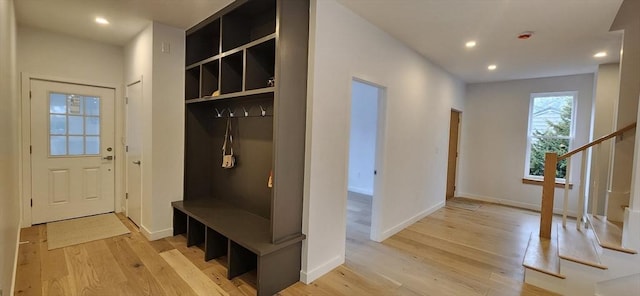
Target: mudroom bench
[[245, 239]]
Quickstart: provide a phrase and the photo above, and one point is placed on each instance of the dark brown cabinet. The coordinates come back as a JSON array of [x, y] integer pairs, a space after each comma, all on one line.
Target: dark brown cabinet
[[247, 65]]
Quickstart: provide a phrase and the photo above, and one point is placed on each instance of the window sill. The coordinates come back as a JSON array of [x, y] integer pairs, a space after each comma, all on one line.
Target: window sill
[[539, 182]]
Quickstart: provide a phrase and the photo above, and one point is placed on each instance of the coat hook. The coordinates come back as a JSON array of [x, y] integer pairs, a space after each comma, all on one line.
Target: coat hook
[[218, 113], [230, 112], [263, 112], [246, 113]]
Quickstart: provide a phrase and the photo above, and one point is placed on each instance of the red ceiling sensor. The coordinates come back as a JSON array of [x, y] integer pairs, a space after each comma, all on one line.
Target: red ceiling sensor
[[525, 35]]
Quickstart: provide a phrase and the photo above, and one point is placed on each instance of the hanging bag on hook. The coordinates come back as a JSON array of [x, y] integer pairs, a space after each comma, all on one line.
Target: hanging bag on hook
[[228, 160]]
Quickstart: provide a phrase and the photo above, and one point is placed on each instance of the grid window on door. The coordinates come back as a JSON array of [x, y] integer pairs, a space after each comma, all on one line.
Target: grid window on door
[[74, 125]]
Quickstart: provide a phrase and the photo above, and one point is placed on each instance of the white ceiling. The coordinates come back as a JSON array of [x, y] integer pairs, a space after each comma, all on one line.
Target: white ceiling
[[567, 32], [127, 17]]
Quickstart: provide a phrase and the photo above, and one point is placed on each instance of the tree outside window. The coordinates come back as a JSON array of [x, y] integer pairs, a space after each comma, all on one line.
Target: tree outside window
[[550, 130]]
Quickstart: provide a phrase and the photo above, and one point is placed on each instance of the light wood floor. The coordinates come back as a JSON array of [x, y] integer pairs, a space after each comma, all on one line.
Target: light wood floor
[[465, 248]]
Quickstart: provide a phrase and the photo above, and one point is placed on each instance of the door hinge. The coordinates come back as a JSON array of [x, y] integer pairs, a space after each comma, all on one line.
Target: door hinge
[[30, 149], [32, 202], [29, 94], [126, 195], [126, 148]]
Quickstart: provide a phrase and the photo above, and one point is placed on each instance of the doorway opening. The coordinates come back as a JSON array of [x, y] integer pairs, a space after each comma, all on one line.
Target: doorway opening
[[365, 140], [452, 163]]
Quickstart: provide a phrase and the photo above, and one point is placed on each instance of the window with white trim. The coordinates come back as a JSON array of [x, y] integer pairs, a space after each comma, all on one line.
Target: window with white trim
[[551, 129]]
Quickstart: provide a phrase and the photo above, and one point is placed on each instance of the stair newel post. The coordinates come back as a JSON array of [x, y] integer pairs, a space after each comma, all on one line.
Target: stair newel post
[[548, 188], [581, 195], [565, 203]]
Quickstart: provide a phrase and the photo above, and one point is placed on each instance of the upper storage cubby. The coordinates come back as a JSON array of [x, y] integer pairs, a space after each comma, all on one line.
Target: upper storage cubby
[[260, 68], [249, 22], [231, 73], [192, 83], [210, 74], [203, 43]]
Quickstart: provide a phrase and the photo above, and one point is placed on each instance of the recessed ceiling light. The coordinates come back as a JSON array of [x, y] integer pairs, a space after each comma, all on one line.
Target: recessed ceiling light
[[102, 21], [601, 54], [470, 44], [492, 67]]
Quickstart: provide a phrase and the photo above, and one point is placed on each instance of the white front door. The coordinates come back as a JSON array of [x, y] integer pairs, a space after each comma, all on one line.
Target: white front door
[[72, 161], [134, 152]]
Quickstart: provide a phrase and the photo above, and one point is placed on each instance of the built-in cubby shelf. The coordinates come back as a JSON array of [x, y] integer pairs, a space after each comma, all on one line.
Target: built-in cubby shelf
[[245, 68], [203, 43], [260, 64], [210, 81], [192, 83], [231, 73], [249, 22], [251, 213]]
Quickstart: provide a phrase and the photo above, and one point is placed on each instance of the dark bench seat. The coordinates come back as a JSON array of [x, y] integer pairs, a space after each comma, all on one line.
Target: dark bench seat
[[245, 239]]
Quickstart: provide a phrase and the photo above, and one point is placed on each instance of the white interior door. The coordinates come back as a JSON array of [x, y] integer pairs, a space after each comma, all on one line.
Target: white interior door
[[134, 152], [72, 139]]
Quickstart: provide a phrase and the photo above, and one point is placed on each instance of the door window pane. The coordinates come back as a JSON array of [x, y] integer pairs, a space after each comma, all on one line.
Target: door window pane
[[92, 125], [75, 104], [58, 145], [74, 125], [92, 145], [76, 145], [58, 124], [92, 106], [58, 104]]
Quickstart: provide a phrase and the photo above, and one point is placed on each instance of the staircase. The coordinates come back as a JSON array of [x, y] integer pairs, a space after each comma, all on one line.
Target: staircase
[[585, 256], [589, 260]]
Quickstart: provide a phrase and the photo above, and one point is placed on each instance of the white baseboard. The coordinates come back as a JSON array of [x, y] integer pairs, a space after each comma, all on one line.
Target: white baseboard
[[404, 224], [310, 276], [15, 263], [156, 235], [512, 203], [361, 190]]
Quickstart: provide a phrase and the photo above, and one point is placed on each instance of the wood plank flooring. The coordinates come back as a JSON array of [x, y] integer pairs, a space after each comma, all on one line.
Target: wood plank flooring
[[577, 245], [608, 234], [455, 251]]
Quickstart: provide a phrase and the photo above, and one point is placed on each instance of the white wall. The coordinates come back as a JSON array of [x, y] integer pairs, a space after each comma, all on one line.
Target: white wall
[[419, 98], [168, 135], [9, 153], [603, 123], [51, 55], [628, 19], [162, 76], [494, 136], [362, 147]]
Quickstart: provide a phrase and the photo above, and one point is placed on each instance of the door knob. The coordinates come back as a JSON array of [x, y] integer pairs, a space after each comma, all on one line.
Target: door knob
[[136, 162], [110, 157]]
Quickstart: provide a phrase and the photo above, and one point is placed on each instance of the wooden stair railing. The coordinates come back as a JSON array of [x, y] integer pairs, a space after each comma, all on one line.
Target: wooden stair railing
[[548, 184]]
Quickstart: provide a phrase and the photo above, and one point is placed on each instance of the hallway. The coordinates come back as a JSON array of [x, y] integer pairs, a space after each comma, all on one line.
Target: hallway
[[465, 248]]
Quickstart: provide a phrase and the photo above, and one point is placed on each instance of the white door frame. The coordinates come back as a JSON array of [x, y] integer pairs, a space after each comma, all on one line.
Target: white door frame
[[25, 139], [375, 233]]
